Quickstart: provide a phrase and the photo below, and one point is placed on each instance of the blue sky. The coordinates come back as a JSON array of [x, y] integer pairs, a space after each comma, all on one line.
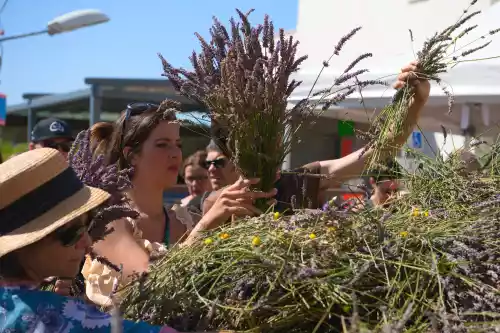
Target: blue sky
[[125, 47]]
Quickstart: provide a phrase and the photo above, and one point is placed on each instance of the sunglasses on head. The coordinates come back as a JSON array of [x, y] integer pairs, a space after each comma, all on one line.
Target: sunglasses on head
[[61, 146], [70, 234], [217, 163], [133, 109]]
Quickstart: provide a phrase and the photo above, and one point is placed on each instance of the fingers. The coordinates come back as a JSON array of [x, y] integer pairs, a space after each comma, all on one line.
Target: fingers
[[63, 287], [411, 67], [244, 209], [242, 183], [407, 75], [247, 195]]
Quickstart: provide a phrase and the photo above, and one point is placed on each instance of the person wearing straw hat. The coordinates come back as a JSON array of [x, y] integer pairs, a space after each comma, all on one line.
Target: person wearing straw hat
[[44, 217]]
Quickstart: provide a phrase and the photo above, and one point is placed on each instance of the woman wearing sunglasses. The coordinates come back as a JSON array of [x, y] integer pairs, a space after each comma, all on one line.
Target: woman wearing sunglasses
[[147, 138], [44, 214]]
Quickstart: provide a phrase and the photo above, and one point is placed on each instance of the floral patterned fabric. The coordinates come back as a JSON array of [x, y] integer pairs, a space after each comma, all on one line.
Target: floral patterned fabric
[[29, 310]]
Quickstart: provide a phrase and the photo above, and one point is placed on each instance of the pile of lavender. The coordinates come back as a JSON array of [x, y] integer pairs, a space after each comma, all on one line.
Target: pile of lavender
[[242, 76], [439, 53], [428, 263]]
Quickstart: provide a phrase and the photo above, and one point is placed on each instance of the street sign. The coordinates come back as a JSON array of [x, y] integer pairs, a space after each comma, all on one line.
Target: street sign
[[416, 140], [3, 109]]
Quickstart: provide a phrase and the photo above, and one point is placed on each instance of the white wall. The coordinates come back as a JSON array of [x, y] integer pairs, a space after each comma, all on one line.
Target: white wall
[[321, 23]]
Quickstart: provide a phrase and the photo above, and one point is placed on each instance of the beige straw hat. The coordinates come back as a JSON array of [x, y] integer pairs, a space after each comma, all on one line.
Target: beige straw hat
[[39, 193]]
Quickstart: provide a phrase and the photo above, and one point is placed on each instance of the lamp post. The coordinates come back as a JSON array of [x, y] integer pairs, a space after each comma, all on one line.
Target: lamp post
[[68, 22]]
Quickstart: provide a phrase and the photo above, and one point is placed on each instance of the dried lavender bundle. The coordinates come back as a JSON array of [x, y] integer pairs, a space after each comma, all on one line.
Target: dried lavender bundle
[[430, 263], [242, 75], [438, 54], [94, 172]]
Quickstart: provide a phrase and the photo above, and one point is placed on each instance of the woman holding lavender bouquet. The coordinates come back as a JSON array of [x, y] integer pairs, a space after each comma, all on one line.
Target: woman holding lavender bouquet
[[146, 139]]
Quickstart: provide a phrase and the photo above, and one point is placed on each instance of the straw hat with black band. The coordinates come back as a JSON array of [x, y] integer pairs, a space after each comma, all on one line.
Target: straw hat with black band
[[39, 193]]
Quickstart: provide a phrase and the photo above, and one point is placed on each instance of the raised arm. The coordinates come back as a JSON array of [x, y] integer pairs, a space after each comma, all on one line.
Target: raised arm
[[352, 165]]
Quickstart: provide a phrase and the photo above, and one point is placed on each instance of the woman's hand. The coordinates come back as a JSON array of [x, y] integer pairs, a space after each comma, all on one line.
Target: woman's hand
[[409, 75], [236, 199], [63, 287]]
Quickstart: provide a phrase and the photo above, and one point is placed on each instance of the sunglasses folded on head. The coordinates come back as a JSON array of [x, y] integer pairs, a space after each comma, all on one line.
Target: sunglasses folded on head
[[134, 109], [217, 163]]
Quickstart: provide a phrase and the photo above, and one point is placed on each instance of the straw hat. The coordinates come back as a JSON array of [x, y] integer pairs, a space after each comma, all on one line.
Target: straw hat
[[39, 193]]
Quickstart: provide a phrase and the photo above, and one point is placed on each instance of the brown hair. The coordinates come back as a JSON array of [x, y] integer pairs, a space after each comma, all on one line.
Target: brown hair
[[195, 160], [99, 132], [131, 132]]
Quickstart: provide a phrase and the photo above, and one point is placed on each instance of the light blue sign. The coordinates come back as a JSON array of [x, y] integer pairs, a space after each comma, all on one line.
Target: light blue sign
[[416, 140], [3, 109]]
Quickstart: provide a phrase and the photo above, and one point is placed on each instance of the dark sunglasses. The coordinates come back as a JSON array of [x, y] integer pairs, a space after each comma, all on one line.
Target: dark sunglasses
[[133, 109], [218, 163], [61, 146], [70, 235]]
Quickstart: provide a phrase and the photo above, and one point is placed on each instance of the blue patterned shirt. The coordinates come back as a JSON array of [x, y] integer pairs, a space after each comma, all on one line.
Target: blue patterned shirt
[[29, 310]]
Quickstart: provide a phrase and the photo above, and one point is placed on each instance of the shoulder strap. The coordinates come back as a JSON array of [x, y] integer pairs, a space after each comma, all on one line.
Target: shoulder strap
[[166, 237]]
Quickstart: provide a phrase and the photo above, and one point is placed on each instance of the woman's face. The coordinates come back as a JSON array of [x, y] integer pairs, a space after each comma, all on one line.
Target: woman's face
[[196, 179], [160, 157], [58, 254]]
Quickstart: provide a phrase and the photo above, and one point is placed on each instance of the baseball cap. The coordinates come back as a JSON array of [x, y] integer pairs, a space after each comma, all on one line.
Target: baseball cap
[[51, 128]]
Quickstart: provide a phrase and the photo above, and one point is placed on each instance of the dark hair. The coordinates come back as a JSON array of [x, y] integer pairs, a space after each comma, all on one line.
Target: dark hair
[[195, 160], [133, 131], [213, 146], [391, 170], [10, 267]]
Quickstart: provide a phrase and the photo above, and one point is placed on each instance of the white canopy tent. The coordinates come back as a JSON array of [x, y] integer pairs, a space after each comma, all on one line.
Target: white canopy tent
[[470, 82]]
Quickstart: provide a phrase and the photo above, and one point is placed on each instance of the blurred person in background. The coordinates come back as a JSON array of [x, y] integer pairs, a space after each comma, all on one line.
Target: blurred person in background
[[195, 174], [52, 133], [383, 184]]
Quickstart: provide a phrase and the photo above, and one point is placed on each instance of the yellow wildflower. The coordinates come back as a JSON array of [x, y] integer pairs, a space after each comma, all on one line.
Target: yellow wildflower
[[209, 241], [403, 234], [425, 213], [415, 212], [276, 215], [256, 241], [224, 236], [312, 236]]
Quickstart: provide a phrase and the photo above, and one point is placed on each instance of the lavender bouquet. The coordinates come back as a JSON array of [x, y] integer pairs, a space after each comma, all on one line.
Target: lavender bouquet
[[243, 77], [438, 55]]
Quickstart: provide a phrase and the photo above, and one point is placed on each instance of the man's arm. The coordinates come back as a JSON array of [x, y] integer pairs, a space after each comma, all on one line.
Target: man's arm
[[352, 165]]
